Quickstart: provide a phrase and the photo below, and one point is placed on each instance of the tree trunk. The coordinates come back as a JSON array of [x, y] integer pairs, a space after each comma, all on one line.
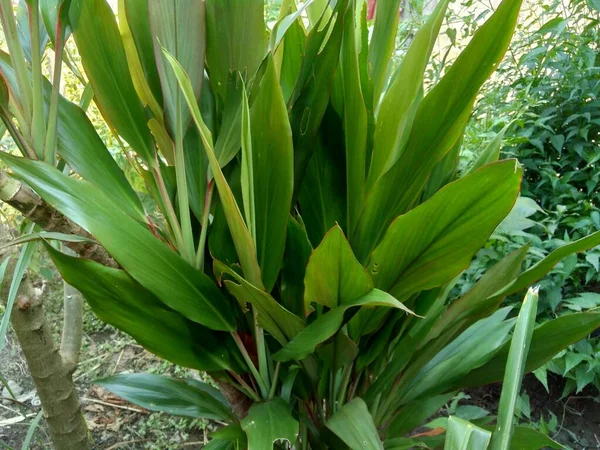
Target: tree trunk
[[52, 377]]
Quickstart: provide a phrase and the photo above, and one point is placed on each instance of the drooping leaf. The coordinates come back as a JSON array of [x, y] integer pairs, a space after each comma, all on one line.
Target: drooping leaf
[[354, 425], [134, 247], [333, 275], [515, 368], [103, 57], [463, 435], [186, 397], [420, 253], [414, 414], [269, 422], [119, 300], [305, 342], [438, 123]]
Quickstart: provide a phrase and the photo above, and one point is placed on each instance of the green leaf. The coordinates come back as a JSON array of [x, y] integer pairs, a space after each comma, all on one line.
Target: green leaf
[[413, 414], [238, 47], [272, 161], [119, 300], [188, 397], [244, 244], [354, 425], [231, 437], [274, 318], [490, 153], [463, 435], [515, 368], [548, 339], [396, 113], [355, 120], [46, 235], [438, 124], [269, 422], [418, 253], [333, 275], [137, 18], [528, 438], [472, 349], [134, 247], [382, 43], [480, 299], [305, 342], [55, 14], [103, 57], [541, 268], [179, 27]]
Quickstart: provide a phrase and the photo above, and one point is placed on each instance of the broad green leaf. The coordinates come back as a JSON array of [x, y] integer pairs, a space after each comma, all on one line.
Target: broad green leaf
[[525, 437], [419, 253], [238, 47], [490, 153], [23, 17], [103, 57], [244, 244], [293, 271], [515, 368], [472, 349], [270, 315], [55, 15], [186, 397], [463, 435], [269, 422], [395, 115], [178, 27], [354, 425], [479, 299], [119, 300], [135, 63], [443, 172], [541, 268], [137, 17], [355, 120], [228, 140], [83, 150], [305, 342], [273, 181], [247, 169], [132, 245], [383, 41], [333, 275], [230, 437], [323, 189], [548, 339], [308, 103], [439, 121], [416, 413]]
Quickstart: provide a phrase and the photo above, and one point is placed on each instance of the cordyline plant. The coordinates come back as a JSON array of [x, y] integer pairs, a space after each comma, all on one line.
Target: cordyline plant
[[308, 222]]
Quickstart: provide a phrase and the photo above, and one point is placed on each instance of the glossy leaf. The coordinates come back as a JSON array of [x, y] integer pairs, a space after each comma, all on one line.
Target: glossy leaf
[[188, 397], [439, 121], [305, 342], [419, 253], [354, 425], [515, 368], [269, 422], [103, 57], [119, 300], [333, 275], [463, 435], [136, 249], [273, 180]]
